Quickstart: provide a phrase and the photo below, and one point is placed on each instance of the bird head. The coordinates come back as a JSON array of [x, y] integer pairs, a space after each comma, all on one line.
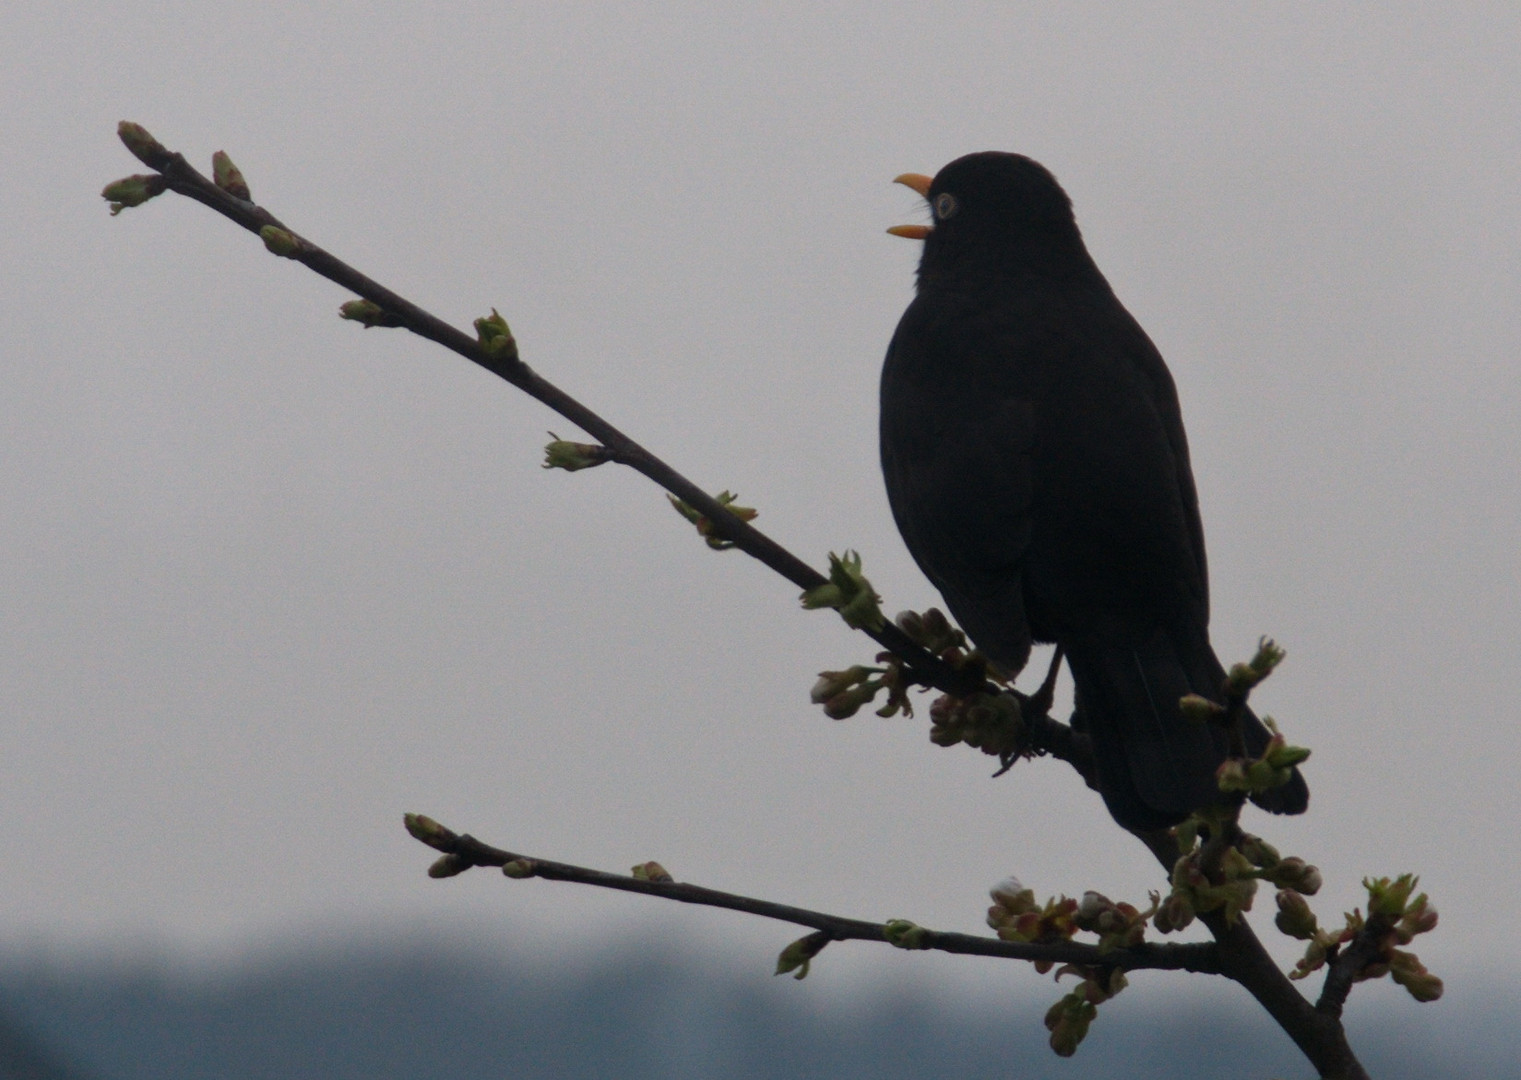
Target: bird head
[[995, 212]]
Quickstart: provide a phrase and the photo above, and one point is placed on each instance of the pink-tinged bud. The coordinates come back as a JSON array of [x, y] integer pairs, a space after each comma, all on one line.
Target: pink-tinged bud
[[1418, 919], [144, 147], [912, 625], [229, 177], [1294, 916], [1011, 894], [1407, 970], [1174, 914], [1294, 873], [651, 871]]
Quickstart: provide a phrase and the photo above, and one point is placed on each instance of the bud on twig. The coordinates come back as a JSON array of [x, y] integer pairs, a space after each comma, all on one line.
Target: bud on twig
[[573, 456], [229, 177], [133, 190]]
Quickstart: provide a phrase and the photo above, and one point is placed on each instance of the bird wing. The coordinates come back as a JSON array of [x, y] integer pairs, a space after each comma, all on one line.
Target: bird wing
[[956, 458]]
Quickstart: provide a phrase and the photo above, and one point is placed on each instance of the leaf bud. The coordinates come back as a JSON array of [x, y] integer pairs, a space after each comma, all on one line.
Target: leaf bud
[[229, 177]]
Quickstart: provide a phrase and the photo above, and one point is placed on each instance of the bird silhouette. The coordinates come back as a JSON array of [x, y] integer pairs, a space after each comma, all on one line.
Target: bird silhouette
[[1038, 470]]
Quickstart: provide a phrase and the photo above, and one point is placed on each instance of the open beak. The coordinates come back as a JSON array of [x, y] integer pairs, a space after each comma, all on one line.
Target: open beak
[[920, 183]]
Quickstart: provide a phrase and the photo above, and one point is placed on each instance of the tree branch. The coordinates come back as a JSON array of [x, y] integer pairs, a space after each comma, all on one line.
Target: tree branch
[[1045, 734], [462, 851]]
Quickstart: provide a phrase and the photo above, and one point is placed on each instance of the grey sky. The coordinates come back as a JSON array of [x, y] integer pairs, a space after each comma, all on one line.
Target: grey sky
[[271, 580]]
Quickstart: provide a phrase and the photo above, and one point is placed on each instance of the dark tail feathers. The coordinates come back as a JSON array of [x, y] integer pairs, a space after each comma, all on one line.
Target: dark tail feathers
[[1154, 766]]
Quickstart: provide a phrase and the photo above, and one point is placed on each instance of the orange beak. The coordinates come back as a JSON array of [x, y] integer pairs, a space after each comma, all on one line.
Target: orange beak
[[920, 183]]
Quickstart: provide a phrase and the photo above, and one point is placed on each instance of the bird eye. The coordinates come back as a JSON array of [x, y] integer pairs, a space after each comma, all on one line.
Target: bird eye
[[945, 205]]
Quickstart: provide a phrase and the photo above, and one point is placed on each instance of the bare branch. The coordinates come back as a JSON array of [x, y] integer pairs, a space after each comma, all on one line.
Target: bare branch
[[463, 851], [1046, 735]]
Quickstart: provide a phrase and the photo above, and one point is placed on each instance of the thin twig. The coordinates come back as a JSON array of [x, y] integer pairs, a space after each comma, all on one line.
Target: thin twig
[[465, 851], [1046, 735]]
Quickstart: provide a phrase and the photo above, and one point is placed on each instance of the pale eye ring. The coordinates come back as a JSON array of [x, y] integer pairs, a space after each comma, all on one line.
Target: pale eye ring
[[944, 206]]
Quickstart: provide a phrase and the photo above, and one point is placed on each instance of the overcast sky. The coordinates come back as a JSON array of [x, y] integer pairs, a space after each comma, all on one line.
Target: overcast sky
[[271, 580]]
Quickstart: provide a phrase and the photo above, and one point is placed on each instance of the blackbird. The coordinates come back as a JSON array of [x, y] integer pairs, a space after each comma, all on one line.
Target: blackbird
[[1037, 468]]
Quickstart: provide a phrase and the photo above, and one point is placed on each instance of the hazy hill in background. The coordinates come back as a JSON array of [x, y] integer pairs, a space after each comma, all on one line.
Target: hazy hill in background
[[384, 1011]]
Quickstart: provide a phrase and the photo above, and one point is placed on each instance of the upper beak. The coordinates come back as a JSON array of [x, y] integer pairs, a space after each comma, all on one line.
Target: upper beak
[[920, 183]]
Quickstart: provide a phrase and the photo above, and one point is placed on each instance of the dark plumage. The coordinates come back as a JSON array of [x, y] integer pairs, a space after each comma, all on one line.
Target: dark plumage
[[1037, 467]]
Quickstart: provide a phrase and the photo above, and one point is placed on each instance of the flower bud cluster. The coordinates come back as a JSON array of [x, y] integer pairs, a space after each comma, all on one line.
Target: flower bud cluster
[[1069, 1019], [987, 722], [1394, 919], [1118, 925], [1015, 916], [1193, 892], [1272, 768]]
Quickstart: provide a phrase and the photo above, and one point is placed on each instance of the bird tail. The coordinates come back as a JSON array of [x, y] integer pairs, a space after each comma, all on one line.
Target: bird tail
[[1154, 766]]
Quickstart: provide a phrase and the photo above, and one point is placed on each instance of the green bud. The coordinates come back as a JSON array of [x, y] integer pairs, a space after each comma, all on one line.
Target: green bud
[[133, 190], [520, 868], [651, 871], [280, 242], [495, 338], [1068, 1021], [573, 456], [144, 147], [848, 592], [430, 832], [903, 934], [1294, 873], [1294, 916], [797, 957], [448, 866], [1387, 897], [1199, 709], [228, 177], [368, 313]]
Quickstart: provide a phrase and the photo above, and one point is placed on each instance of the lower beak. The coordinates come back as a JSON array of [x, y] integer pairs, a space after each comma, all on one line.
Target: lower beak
[[920, 183]]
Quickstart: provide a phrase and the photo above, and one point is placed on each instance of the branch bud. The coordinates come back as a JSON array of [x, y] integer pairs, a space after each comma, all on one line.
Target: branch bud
[[903, 934], [368, 313], [229, 177], [448, 866], [133, 190], [495, 338], [144, 147], [430, 832], [797, 957], [652, 871], [1294, 916], [573, 456], [519, 869], [281, 242]]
